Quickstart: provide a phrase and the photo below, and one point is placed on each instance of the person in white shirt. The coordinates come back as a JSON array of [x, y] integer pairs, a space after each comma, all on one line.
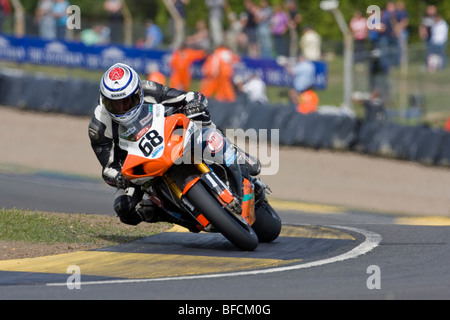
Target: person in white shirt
[[310, 44], [437, 57], [255, 89]]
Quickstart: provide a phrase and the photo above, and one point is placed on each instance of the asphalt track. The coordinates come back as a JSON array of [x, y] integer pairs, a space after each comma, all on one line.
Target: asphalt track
[[324, 252]]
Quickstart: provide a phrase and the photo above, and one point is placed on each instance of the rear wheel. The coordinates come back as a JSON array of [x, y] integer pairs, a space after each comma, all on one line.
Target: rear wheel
[[236, 231], [267, 224]]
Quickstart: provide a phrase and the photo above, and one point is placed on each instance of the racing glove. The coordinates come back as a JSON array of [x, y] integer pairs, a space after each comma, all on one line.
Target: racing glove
[[196, 104], [121, 181]]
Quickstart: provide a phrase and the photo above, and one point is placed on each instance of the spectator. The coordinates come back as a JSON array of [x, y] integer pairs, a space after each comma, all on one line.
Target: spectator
[[378, 73], [46, 20], [303, 74], [388, 41], [180, 6], [153, 74], [61, 16], [437, 57], [263, 29], [200, 39], [218, 71], [311, 44], [251, 12], [308, 102], [402, 30], [279, 28], [435, 38], [295, 18], [5, 11], [115, 16], [426, 25], [358, 27], [154, 36], [216, 14], [254, 89], [447, 125], [374, 106], [180, 65], [97, 35], [179, 34], [235, 37]]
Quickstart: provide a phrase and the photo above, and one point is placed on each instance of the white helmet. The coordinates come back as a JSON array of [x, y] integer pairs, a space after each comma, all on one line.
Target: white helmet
[[121, 93]]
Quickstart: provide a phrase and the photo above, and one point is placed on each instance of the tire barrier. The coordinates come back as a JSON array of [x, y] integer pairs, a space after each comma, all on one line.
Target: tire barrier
[[414, 143], [40, 92], [312, 130], [79, 97], [443, 158]]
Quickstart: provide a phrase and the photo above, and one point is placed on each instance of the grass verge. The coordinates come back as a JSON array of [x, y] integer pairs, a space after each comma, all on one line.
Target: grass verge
[[25, 234]]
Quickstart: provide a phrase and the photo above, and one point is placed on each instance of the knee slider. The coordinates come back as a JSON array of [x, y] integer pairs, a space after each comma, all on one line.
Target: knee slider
[[125, 207]]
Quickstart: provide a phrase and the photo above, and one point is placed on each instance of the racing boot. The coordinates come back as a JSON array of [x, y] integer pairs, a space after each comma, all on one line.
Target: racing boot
[[148, 211], [152, 213], [260, 189]]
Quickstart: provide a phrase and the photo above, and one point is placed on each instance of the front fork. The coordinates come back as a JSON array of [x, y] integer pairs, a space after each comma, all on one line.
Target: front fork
[[203, 168], [219, 189]]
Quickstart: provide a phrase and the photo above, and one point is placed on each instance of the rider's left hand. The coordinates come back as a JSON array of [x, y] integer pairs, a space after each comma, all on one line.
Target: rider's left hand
[[122, 182], [197, 104]]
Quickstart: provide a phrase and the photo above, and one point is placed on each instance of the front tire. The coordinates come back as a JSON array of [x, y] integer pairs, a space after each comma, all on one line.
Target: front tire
[[238, 233]]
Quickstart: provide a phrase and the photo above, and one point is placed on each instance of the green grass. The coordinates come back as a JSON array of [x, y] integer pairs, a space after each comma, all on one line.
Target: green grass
[[55, 228]]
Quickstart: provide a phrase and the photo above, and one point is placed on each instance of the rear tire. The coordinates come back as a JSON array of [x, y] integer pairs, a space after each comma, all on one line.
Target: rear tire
[[267, 224], [238, 233]]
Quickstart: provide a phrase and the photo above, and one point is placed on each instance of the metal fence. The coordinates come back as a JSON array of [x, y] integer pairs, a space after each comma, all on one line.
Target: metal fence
[[413, 88]]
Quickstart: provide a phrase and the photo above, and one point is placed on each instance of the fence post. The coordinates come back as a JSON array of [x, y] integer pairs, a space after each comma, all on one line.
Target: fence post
[[333, 7], [179, 25], [19, 18], [128, 24]]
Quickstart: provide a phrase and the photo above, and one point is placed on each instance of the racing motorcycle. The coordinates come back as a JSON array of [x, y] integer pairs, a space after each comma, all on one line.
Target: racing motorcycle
[[193, 175]]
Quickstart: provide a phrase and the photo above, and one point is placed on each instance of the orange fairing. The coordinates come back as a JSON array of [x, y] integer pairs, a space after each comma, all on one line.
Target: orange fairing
[[190, 184], [138, 166], [248, 203]]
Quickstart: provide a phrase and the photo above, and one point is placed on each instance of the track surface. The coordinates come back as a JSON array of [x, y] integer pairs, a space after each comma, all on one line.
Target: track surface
[[412, 259]]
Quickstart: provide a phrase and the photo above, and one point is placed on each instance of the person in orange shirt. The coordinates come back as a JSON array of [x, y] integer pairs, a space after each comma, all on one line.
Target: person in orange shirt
[[218, 71], [447, 125], [180, 64], [155, 75], [308, 102]]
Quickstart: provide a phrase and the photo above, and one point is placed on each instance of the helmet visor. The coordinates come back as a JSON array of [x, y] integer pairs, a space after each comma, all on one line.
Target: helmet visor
[[122, 106]]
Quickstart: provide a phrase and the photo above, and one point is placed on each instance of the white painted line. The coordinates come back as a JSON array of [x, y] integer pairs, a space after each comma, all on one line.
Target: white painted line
[[371, 242]]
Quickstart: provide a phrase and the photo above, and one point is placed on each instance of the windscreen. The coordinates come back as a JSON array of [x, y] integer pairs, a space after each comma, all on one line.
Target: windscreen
[[139, 126]]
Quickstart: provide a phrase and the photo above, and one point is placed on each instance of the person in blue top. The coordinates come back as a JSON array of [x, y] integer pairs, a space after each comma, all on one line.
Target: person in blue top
[[60, 13], [154, 36]]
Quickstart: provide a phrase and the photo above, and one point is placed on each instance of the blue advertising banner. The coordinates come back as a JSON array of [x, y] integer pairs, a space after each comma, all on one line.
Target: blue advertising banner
[[77, 55]]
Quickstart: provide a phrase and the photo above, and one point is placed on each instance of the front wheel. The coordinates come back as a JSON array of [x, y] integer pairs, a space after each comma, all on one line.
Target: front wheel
[[237, 232]]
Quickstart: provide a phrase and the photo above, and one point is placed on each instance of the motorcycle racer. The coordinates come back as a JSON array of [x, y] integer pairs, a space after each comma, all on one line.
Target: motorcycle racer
[[122, 94]]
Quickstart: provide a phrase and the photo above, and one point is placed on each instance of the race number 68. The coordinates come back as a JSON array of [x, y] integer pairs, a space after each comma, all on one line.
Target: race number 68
[[150, 141]]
